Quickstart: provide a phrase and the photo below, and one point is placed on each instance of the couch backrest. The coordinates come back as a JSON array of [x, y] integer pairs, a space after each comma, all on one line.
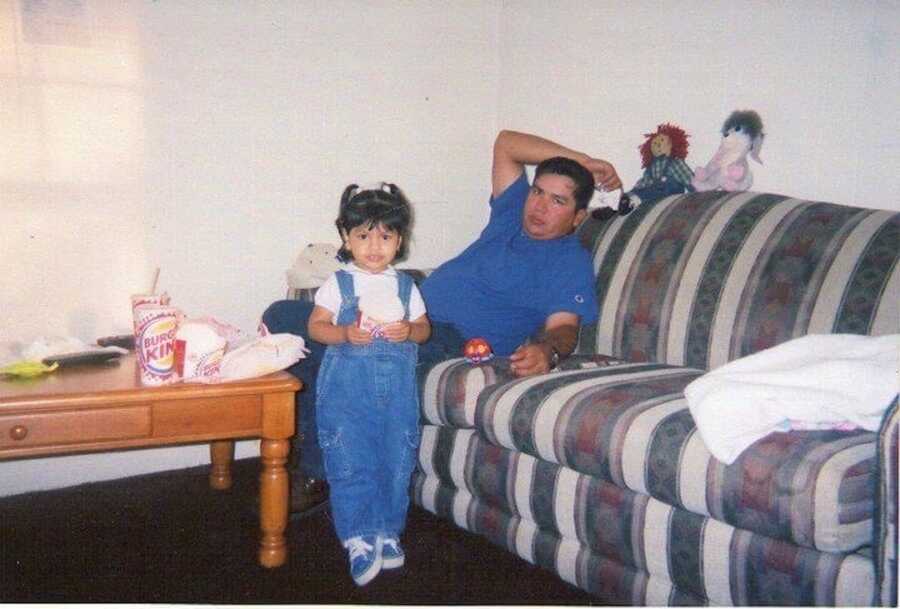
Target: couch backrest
[[705, 278]]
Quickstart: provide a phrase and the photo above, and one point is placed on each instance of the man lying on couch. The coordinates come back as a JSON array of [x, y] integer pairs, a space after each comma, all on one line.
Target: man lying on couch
[[526, 277], [524, 285]]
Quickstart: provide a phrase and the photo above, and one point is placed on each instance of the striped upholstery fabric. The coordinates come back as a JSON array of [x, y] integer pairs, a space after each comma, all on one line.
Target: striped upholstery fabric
[[597, 471], [622, 546], [629, 425], [711, 277], [302, 294], [886, 507]]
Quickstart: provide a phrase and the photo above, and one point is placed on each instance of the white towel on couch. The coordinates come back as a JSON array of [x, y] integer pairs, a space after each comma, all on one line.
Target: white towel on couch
[[820, 380]]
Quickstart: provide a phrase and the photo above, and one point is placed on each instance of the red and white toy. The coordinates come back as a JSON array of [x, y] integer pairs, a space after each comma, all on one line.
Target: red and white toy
[[477, 350], [378, 310]]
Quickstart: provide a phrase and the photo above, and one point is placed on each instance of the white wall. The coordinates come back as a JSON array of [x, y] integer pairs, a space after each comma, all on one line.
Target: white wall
[[822, 75], [213, 139]]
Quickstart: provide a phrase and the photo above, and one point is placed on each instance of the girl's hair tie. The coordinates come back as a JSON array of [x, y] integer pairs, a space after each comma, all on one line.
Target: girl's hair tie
[[383, 186]]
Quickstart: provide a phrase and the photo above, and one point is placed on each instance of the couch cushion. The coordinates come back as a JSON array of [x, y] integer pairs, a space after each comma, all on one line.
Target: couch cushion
[[885, 535], [624, 547], [630, 425], [706, 278], [451, 388]]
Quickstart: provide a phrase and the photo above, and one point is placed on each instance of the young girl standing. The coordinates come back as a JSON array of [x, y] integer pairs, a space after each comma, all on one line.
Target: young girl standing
[[367, 404]]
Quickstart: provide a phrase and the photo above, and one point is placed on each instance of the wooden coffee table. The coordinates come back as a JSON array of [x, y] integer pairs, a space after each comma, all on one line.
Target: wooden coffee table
[[104, 407]]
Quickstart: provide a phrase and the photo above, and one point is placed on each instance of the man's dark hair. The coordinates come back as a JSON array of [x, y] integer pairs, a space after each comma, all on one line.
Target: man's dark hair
[[584, 179], [385, 206]]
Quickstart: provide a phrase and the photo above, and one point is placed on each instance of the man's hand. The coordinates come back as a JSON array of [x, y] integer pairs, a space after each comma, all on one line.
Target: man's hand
[[604, 174], [514, 150], [560, 332], [530, 359]]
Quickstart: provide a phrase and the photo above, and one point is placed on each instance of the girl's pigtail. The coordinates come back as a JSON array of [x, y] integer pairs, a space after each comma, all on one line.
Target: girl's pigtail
[[347, 196], [344, 254]]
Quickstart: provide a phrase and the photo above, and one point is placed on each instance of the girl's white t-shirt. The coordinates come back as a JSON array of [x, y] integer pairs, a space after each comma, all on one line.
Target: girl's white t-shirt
[[367, 284]]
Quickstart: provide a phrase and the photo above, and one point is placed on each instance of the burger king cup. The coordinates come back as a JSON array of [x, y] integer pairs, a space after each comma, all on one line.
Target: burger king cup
[[155, 327], [138, 300]]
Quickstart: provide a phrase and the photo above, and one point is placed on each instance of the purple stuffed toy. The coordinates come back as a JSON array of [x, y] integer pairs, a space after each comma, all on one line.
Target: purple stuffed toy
[[742, 134]]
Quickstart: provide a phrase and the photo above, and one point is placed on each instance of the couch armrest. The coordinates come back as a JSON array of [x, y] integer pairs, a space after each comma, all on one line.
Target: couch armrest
[[884, 540]]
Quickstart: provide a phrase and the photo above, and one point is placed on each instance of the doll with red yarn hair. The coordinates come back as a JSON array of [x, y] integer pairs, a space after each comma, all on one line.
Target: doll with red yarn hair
[[665, 171]]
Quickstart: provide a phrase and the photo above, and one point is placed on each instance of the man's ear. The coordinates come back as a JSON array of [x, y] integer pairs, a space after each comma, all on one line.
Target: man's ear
[[580, 215]]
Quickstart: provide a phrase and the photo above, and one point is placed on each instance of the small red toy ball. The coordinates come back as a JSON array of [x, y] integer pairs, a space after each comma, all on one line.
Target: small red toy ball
[[477, 350]]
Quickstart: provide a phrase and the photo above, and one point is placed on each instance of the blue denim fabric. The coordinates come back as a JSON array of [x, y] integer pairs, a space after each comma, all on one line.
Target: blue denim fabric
[[368, 417], [292, 317], [655, 192]]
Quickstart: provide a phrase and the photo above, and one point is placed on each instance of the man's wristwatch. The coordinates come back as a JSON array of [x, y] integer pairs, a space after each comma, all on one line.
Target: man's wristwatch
[[554, 357]]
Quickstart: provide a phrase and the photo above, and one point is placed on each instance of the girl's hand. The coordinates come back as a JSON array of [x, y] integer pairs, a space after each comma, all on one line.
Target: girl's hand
[[357, 336], [397, 332]]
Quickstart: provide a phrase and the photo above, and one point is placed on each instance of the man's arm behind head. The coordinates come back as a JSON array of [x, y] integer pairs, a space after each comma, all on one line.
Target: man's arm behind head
[[513, 150]]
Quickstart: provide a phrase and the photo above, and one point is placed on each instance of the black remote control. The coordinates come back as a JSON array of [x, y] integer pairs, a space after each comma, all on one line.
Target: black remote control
[[125, 341]]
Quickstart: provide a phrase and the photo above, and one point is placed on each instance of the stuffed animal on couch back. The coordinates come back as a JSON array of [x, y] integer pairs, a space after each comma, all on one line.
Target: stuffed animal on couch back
[[313, 265], [665, 172], [742, 134]]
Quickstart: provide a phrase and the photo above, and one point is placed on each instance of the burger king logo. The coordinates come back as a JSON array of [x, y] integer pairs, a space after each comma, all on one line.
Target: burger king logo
[[156, 344]]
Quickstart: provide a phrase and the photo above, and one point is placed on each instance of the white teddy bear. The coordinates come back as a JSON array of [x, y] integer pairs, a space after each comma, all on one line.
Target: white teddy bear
[[313, 266]]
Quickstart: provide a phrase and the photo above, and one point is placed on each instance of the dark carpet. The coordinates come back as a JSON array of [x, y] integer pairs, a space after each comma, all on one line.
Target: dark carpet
[[168, 538]]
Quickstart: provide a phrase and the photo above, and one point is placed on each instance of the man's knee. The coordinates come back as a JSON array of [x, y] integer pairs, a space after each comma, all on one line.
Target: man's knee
[[288, 316]]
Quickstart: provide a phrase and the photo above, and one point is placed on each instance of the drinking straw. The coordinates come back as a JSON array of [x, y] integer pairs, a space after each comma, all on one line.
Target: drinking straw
[[155, 280]]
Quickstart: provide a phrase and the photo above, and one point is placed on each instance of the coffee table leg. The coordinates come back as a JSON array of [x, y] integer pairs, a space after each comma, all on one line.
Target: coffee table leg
[[273, 502], [221, 454]]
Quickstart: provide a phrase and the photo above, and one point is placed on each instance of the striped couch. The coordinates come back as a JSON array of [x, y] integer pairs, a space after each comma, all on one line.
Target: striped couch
[[596, 471]]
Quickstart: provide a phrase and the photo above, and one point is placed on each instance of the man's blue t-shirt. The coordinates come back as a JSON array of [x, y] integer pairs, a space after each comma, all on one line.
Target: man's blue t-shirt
[[505, 285]]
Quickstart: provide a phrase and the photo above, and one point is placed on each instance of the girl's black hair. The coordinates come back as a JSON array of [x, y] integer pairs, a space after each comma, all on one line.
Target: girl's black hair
[[385, 206]]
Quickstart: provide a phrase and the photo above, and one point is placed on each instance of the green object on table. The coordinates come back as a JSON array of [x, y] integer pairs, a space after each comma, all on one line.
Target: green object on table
[[28, 368]]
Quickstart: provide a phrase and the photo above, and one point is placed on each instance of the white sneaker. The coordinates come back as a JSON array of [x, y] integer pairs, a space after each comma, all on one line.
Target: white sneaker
[[365, 558], [392, 555]]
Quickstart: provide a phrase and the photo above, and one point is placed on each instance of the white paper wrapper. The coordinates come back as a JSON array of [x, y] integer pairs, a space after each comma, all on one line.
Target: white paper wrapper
[[262, 356], [199, 349], [54, 345]]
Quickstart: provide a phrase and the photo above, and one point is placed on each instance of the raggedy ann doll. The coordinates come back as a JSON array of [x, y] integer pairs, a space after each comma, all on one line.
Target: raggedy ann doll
[[665, 171], [742, 134]]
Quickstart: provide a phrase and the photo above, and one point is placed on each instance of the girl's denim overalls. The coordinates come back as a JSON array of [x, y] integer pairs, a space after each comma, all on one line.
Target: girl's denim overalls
[[367, 410]]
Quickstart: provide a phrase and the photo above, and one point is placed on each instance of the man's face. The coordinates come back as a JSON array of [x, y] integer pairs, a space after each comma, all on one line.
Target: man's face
[[550, 208]]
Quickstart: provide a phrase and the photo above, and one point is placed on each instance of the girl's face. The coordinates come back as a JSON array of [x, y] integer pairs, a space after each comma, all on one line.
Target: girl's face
[[373, 248]]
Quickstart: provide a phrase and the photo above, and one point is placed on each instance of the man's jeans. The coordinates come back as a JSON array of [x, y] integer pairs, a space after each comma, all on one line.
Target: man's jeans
[[291, 317]]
